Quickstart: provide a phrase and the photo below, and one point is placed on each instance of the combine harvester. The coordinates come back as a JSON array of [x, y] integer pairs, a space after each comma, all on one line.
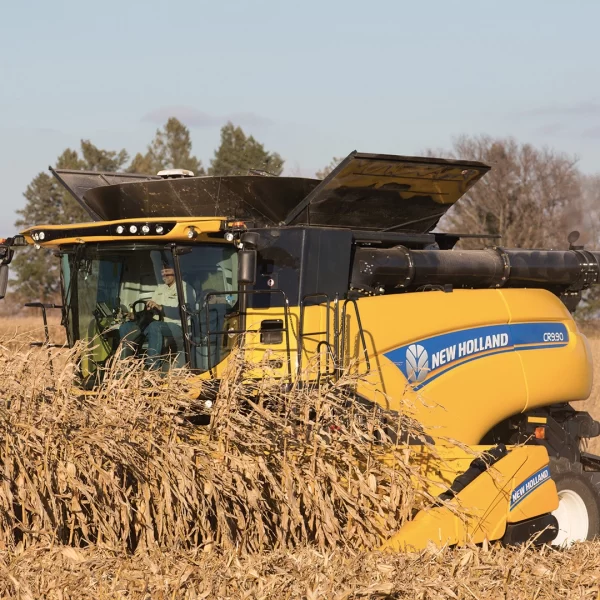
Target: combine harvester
[[479, 345]]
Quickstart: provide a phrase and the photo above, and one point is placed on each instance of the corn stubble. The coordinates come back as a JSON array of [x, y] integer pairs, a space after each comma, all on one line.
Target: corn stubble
[[120, 494]]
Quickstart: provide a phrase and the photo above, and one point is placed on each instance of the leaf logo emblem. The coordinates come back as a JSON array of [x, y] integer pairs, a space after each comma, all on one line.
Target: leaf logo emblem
[[417, 363]]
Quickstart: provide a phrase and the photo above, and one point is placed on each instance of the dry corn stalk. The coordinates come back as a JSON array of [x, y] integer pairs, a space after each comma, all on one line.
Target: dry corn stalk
[[126, 467]]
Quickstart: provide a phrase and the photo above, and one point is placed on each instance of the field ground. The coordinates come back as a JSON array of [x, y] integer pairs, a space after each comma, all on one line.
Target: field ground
[[493, 573]]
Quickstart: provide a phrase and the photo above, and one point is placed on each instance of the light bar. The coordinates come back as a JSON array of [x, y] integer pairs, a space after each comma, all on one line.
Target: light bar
[[143, 229], [106, 231]]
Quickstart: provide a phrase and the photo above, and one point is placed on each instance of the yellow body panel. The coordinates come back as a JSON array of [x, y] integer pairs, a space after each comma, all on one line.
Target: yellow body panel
[[483, 508], [464, 402]]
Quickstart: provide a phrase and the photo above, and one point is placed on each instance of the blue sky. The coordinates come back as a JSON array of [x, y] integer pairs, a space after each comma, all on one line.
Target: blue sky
[[309, 79]]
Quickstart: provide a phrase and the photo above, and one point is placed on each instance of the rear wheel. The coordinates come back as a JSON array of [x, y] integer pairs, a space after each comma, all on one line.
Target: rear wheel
[[578, 512]]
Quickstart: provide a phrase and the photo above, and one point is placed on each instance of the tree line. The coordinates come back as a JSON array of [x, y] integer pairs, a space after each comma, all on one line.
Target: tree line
[[36, 272], [532, 198]]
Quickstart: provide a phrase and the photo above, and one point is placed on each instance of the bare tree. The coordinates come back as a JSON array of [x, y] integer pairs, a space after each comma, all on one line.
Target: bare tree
[[532, 197], [335, 161], [590, 209], [589, 308]]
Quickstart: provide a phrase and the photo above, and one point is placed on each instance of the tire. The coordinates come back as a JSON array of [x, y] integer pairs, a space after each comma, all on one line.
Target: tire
[[578, 513]]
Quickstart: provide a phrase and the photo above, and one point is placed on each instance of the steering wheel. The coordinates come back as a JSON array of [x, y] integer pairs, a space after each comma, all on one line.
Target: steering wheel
[[144, 316], [104, 317]]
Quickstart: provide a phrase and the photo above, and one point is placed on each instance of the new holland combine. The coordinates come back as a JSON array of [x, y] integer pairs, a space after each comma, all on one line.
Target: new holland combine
[[479, 345]]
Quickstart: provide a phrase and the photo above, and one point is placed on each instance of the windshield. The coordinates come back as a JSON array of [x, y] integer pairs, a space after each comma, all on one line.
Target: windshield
[[129, 301]]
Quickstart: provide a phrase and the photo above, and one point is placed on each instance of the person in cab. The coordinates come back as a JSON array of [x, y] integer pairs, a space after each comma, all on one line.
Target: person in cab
[[159, 324]]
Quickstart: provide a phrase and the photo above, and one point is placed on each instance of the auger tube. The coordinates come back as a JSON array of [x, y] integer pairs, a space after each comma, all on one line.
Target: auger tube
[[403, 269]]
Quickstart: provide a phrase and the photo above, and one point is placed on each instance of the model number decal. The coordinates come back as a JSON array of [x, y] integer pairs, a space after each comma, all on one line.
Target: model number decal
[[554, 336]]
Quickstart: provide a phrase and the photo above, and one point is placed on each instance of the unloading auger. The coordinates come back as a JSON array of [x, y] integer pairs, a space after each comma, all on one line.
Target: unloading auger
[[349, 272]]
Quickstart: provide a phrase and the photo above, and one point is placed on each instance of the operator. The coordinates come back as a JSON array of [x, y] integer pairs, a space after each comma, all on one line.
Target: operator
[[165, 303]]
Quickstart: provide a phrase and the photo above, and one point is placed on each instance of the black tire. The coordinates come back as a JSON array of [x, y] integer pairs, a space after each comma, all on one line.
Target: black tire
[[572, 482]]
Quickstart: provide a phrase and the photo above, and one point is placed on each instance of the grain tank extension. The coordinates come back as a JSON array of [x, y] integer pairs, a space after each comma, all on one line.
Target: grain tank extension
[[348, 273]]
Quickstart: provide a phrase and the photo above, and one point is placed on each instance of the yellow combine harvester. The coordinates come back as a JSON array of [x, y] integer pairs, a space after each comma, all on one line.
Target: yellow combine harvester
[[318, 277]]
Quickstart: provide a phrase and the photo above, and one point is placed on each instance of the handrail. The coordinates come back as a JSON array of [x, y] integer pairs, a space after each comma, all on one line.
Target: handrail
[[43, 306], [327, 332], [361, 333], [209, 333]]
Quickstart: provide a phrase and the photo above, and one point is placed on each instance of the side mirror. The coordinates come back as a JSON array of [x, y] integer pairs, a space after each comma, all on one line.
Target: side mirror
[[3, 280], [247, 267]]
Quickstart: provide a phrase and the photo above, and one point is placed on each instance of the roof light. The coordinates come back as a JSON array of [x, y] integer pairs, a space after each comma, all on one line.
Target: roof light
[[133, 229], [120, 229], [35, 236], [145, 228], [159, 229], [192, 233], [42, 235], [173, 173], [229, 236]]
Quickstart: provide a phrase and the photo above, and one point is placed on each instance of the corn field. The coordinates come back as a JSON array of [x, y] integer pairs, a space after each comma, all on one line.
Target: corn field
[[121, 493]]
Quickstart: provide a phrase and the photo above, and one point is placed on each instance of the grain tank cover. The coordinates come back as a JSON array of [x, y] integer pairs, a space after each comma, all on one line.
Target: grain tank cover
[[387, 193], [379, 192], [263, 200], [78, 183]]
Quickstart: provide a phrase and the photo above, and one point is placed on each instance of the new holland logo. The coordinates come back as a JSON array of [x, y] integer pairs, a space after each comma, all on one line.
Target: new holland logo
[[528, 486], [417, 363], [423, 361]]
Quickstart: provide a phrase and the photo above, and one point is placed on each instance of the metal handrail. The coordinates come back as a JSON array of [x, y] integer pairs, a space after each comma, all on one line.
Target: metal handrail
[[286, 328], [327, 332], [361, 333], [43, 306]]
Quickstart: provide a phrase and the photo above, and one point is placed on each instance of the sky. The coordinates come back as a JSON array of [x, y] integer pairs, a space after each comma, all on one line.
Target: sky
[[311, 79]]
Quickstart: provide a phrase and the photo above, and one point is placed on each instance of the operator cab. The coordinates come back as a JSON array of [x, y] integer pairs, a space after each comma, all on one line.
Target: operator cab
[[110, 289]]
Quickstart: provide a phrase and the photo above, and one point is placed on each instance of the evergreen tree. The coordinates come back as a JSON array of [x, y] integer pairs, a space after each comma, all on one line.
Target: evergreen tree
[[170, 149], [36, 270], [95, 159], [239, 154], [47, 202]]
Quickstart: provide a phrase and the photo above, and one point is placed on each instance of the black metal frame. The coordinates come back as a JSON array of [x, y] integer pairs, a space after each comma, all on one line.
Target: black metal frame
[[331, 352], [176, 251], [361, 333], [44, 306], [100, 175], [209, 333], [75, 196]]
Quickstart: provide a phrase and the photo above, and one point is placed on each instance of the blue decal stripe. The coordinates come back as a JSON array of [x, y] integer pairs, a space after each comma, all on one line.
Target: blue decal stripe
[[468, 360], [460, 364], [540, 346], [532, 489], [425, 360]]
